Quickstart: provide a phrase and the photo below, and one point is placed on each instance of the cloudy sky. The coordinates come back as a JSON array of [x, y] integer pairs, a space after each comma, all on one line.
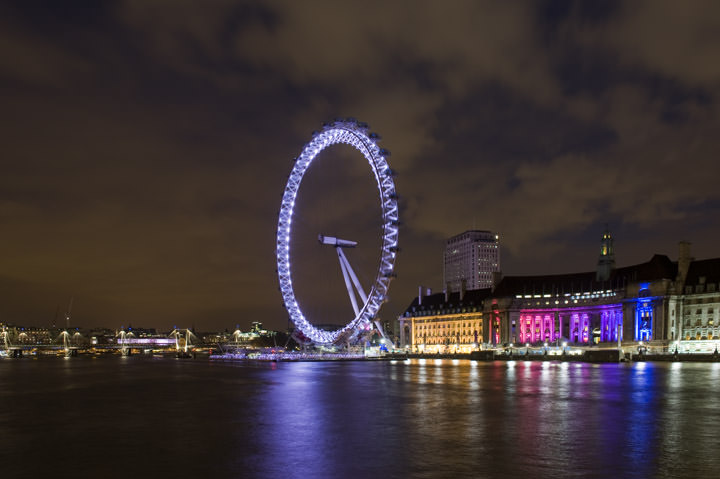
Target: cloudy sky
[[146, 145]]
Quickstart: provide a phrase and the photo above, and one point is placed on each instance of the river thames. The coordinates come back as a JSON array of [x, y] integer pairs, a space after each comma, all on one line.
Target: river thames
[[143, 417]]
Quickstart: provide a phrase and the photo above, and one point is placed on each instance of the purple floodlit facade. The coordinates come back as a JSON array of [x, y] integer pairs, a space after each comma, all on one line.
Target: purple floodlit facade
[[577, 325], [538, 326], [611, 324], [609, 305]]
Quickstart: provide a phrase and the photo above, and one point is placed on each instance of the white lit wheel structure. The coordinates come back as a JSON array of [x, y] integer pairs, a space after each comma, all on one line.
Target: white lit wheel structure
[[355, 134]]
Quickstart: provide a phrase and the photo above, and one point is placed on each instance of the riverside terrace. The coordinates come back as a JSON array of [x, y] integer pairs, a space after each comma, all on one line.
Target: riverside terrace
[[634, 352], [661, 304]]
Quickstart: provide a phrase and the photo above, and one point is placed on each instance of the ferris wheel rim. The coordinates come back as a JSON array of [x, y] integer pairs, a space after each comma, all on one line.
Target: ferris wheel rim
[[355, 134]]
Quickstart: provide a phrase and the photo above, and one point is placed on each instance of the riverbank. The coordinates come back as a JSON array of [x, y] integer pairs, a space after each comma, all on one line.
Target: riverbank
[[587, 356]]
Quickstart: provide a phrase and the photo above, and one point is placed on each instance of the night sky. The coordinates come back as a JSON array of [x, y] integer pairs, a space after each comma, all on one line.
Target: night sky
[[146, 145]]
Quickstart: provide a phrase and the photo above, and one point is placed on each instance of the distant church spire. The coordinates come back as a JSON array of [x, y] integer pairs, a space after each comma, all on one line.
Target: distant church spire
[[606, 262]]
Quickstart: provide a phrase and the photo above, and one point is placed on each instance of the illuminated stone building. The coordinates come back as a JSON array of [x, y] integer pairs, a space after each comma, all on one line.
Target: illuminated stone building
[[444, 322], [630, 305], [695, 308], [470, 260], [659, 302], [27, 335]]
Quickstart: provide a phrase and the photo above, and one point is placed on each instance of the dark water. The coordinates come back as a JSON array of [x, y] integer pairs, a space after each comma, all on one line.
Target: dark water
[[141, 417]]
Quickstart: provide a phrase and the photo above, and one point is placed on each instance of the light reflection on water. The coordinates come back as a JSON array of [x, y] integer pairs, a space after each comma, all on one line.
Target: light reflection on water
[[418, 418]]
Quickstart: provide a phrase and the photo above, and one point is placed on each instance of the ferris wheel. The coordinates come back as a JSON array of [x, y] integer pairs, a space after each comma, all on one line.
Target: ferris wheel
[[365, 305]]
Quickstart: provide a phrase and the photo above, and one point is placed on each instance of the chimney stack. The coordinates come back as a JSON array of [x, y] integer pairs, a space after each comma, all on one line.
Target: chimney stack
[[423, 292], [684, 260]]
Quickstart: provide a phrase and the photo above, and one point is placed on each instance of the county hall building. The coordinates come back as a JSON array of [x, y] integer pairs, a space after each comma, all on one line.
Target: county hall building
[[660, 302]]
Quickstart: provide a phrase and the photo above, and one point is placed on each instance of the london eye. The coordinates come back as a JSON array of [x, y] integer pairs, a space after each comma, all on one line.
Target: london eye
[[366, 304]]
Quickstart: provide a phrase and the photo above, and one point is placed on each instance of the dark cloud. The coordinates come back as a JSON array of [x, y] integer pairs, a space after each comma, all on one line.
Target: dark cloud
[[146, 145]]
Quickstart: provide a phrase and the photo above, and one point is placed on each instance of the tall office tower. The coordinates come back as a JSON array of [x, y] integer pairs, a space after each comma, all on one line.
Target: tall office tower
[[471, 258]]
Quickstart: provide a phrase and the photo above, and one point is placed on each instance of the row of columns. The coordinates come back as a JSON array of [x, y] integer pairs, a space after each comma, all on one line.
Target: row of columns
[[542, 326], [576, 326]]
